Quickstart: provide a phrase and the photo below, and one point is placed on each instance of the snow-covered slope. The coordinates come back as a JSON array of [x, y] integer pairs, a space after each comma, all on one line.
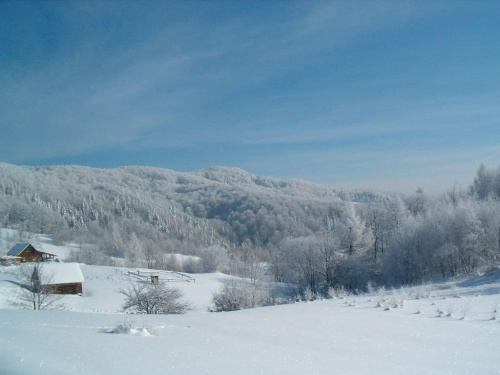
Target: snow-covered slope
[[441, 328], [101, 284]]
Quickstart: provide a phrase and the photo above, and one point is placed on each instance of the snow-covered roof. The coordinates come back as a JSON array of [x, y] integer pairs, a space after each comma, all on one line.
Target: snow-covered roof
[[17, 249], [63, 273]]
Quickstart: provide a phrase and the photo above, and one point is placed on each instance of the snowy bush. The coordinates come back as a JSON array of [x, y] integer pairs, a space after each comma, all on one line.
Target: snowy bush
[[422, 291], [395, 301], [465, 309], [239, 294], [338, 292], [309, 295], [154, 299], [399, 297], [371, 287], [381, 293]]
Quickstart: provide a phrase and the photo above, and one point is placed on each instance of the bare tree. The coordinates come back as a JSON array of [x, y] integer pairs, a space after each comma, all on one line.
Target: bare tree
[[36, 293], [154, 299]]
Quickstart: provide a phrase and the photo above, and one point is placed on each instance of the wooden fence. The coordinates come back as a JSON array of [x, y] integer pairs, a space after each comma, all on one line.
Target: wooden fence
[[155, 276]]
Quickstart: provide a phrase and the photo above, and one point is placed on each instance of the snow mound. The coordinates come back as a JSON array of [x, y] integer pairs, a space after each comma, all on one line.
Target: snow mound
[[127, 330]]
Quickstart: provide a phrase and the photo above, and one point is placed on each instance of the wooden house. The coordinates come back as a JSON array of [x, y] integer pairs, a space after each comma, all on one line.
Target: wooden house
[[27, 253], [64, 278]]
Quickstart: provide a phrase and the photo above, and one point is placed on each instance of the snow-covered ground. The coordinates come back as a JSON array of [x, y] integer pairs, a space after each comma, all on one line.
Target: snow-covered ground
[[449, 327], [101, 285]]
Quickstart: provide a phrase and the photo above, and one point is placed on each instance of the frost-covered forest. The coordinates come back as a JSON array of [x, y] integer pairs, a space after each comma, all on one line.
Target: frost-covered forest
[[296, 232]]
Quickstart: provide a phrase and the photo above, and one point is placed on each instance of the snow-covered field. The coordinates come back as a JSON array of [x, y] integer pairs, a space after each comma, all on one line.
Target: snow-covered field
[[450, 327]]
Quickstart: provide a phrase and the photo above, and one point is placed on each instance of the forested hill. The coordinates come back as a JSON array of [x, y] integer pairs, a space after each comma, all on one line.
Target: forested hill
[[307, 234], [183, 211]]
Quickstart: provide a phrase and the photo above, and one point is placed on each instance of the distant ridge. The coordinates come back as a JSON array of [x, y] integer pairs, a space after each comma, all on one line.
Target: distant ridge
[[216, 205]]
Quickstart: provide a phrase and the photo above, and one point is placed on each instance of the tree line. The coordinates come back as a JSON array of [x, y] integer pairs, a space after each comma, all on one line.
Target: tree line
[[263, 228]]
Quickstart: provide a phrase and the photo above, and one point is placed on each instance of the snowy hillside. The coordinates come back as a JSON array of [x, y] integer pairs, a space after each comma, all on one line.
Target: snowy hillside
[[441, 328], [215, 205], [448, 327]]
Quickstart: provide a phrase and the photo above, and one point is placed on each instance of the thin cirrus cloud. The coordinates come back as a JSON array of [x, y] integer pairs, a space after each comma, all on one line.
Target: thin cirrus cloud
[[396, 169], [401, 119]]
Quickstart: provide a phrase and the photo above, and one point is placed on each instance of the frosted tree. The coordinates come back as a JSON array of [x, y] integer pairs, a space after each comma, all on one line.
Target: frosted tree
[[303, 261], [402, 261], [483, 184], [328, 249], [353, 238], [489, 216], [417, 203], [277, 263], [377, 222], [133, 251], [466, 232]]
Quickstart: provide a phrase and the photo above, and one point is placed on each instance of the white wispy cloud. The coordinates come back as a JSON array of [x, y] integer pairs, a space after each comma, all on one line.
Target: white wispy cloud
[[184, 76]]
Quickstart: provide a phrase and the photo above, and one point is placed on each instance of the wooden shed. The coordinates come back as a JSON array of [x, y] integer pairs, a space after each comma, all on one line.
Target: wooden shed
[[27, 253], [64, 278]]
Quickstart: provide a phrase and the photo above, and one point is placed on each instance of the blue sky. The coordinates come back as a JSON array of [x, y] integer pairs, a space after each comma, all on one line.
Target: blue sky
[[384, 95]]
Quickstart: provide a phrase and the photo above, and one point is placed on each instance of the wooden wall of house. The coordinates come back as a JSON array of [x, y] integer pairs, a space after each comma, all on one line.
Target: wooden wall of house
[[30, 255], [73, 288]]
